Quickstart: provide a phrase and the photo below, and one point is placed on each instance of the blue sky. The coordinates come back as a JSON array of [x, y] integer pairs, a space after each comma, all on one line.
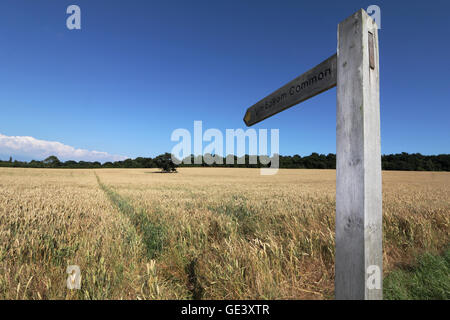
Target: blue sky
[[137, 70]]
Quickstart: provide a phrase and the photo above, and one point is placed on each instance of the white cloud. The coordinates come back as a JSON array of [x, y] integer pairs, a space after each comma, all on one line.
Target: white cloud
[[32, 148]]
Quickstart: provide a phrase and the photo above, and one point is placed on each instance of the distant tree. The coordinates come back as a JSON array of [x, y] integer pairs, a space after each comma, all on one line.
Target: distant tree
[[35, 164], [165, 163], [129, 163], [71, 164], [401, 161], [108, 165], [52, 161]]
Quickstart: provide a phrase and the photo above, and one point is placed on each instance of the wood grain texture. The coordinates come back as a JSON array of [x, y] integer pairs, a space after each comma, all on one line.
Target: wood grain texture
[[358, 160]]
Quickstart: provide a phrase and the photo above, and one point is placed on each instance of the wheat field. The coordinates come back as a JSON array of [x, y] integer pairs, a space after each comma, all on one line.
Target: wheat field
[[202, 233]]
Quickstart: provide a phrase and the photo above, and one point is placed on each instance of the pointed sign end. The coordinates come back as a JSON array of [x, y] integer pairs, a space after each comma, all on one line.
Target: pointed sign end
[[247, 117]]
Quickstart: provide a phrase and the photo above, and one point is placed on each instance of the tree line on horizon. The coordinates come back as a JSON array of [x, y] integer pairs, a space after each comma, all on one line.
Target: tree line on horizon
[[401, 161]]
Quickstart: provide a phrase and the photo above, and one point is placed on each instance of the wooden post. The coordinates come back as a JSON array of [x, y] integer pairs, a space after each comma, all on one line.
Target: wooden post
[[359, 258], [358, 269]]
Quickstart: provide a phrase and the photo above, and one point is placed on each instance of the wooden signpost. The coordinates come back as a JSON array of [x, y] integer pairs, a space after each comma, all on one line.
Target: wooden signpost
[[317, 80], [355, 72]]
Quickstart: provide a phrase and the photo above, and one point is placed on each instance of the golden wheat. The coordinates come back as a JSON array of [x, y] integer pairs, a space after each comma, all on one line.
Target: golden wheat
[[201, 233]]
